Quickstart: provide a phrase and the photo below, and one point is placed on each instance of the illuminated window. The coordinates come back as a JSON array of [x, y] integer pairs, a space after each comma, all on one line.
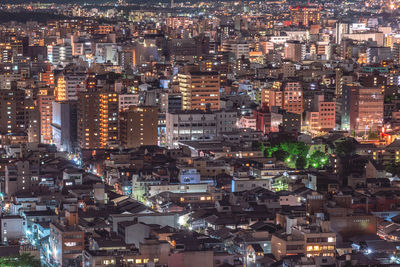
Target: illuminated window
[[309, 248], [202, 198], [138, 261]]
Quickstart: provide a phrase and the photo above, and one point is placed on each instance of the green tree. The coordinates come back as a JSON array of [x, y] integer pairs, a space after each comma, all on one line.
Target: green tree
[[298, 149], [23, 260], [280, 155], [318, 159], [345, 148], [301, 163], [393, 168]]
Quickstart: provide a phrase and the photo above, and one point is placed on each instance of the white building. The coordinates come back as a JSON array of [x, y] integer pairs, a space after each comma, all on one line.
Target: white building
[[126, 100], [237, 48], [7, 78], [245, 184], [58, 54], [247, 122], [107, 52], [71, 84], [195, 125], [12, 228]]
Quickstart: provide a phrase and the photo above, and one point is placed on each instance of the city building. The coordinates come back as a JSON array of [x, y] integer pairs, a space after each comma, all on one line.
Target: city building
[[138, 126], [200, 90]]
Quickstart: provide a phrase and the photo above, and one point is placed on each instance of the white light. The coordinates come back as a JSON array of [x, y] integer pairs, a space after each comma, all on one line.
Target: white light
[[181, 220]]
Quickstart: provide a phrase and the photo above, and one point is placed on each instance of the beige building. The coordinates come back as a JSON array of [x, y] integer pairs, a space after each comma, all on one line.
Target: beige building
[[287, 95], [311, 240], [200, 90], [366, 109]]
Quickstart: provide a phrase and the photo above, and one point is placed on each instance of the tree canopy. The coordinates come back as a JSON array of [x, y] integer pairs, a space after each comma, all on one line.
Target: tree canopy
[[297, 155], [23, 260], [345, 148]]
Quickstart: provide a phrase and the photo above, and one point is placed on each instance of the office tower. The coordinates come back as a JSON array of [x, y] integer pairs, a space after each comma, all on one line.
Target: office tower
[[305, 16], [200, 90], [138, 126]]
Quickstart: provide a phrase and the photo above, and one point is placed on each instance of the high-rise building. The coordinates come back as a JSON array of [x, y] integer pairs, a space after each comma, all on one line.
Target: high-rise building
[[46, 113], [19, 115], [97, 117], [59, 54], [287, 95], [198, 125], [200, 90], [12, 111], [366, 109], [341, 29], [64, 125], [239, 49], [21, 175], [47, 77], [69, 84], [173, 102], [322, 116], [10, 51], [138, 126]]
